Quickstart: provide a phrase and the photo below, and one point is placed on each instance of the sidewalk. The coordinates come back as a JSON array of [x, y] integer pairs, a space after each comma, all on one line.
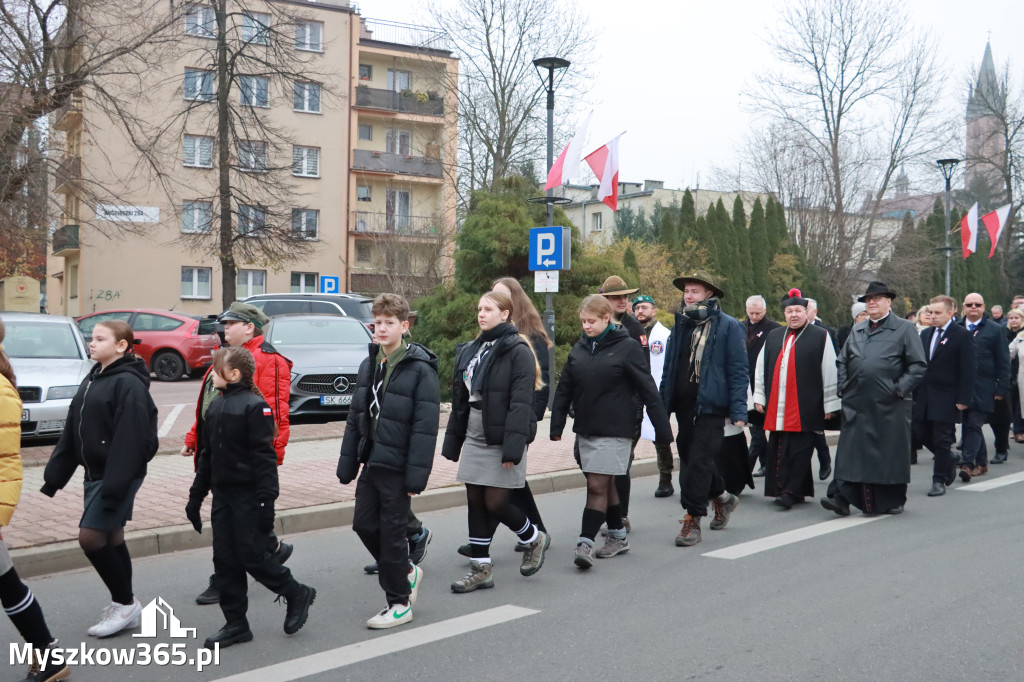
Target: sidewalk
[[43, 533]]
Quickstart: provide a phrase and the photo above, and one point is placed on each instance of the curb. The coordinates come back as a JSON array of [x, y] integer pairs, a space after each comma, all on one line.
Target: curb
[[67, 555]]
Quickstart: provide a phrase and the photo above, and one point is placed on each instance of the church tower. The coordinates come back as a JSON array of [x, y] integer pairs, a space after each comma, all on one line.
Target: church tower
[[986, 143]]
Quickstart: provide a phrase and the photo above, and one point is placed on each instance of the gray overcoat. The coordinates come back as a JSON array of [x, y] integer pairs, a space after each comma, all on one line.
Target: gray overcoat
[[876, 368]]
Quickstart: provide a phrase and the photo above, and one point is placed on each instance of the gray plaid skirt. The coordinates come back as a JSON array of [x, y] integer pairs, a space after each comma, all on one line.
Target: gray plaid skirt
[[605, 455], [480, 463]]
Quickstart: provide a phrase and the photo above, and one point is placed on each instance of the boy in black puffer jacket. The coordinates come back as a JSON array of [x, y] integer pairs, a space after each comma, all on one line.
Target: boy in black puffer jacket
[[392, 429]]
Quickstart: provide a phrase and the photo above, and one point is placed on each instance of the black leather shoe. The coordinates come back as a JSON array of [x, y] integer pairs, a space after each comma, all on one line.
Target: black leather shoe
[[665, 489], [938, 488], [784, 501], [965, 475], [895, 510], [837, 505], [1000, 458], [824, 471], [371, 568], [298, 609], [283, 552], [231, 633], [211, 595], [951, 476], [759, 473]]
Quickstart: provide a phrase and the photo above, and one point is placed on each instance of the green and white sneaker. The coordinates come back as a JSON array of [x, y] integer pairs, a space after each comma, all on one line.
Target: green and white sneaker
[[415, 578], [392, 616]]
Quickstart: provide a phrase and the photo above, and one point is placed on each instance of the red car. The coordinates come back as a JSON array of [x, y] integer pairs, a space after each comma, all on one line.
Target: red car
[[172, 344]]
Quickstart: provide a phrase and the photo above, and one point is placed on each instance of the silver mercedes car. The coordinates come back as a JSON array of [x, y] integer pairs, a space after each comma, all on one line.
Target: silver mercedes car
[[50, 360]]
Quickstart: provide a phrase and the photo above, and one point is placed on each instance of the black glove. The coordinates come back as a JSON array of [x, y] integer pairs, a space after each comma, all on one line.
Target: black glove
[[265, 518], [192, 513]]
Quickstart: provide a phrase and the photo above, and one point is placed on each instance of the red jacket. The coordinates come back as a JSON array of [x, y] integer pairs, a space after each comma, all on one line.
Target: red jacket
[[274, 379]]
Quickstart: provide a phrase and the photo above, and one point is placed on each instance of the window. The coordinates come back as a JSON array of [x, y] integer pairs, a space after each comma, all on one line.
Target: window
[[255, 91], [196, 217], [309, 36], [195, 282], [365, 132], [363, 193], [87, 323], [252, 220], [197, 151], [255, 28], [307, 97], [306, 161], [595, 222], [304, 282], [365, 72], [399, 80], [364, 252], [251, 283], [73, 281], [397, 206], [199, 85], [252, 156], [399, 142], [200, 21], [304, 222], [148, 322]]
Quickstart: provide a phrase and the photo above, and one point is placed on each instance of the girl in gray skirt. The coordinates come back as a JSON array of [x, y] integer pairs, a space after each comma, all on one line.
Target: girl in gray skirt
[[491, 424], [606, 373]]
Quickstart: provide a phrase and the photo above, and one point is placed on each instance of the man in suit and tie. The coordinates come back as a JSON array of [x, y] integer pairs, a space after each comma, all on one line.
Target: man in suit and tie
[[946, 390]]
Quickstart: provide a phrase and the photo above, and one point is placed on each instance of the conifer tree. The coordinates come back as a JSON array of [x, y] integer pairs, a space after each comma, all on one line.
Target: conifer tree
[[688, 219], [760, 255], [742, 236]]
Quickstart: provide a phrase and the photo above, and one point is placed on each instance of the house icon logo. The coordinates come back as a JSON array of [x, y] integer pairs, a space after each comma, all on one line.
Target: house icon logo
[[158, 614]]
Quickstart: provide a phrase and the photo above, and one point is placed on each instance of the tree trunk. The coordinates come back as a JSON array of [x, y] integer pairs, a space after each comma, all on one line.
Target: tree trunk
[[228, 268]]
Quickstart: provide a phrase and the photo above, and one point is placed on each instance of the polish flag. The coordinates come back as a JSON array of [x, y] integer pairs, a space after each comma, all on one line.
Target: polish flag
[[567, 165], [969, 231], [994, 223], [605, 163]]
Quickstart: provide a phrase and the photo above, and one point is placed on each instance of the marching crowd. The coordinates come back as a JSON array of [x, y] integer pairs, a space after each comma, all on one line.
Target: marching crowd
[[889, 387]]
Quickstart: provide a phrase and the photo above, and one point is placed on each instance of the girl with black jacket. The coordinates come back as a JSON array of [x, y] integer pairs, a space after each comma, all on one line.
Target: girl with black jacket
[[110, 431], [605, 375], [491, 424], [237, 461]]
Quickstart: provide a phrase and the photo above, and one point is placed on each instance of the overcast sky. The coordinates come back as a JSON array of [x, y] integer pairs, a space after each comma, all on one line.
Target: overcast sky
[[672, 73]]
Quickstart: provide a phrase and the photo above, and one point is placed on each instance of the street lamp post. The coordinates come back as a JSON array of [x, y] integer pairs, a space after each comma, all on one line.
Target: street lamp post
[[550, 65], [947, 166]]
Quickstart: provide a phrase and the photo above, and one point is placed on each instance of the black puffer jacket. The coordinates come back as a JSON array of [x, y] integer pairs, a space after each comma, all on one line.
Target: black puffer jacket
[[508, 408], [542, 394], [603, 384], [407, 425], [236, 446], [110, 430]]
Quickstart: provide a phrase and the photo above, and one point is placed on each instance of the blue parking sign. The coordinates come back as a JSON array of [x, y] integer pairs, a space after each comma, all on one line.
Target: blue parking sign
[[550, 248], [330, 285]]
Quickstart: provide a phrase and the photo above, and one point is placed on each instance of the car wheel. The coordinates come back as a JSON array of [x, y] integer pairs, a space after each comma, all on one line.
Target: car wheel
[[168, 366]]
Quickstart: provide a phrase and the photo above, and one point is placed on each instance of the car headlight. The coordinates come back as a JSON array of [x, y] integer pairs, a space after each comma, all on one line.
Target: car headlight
[[295, 375], [61, 392]]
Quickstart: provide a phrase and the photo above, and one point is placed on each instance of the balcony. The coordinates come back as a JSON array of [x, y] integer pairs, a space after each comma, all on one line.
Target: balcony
[[404, 35], [65, 240], [386, 162], [366, 222], [69, 175], [69, 116], [406, 103]]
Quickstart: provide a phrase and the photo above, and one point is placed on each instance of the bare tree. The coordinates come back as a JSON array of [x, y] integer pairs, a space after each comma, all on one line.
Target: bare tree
[[502, 117], [852, 101]]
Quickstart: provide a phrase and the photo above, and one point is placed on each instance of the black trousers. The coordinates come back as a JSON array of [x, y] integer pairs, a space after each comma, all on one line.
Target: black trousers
[[699, 440], [380, 520], [240, 548], [975, 453], [758, 445], [1000, 421], [821, 447], [938, 437]]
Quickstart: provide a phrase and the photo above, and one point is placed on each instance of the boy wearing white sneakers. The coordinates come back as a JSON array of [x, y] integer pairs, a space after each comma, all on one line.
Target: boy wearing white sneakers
[[391, 429]]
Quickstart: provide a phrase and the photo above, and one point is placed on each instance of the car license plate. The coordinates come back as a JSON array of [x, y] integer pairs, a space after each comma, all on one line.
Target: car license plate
[[335, 400], [24, 416]]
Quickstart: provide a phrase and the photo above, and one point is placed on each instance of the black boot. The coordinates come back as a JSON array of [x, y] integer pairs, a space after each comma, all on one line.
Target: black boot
[[298, 608], [232, 633], [50, 672], [211, 595], [665, 488]]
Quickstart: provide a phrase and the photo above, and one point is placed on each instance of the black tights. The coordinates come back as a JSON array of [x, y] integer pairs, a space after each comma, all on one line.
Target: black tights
[[487, 507], [23, 610], [108, 553]]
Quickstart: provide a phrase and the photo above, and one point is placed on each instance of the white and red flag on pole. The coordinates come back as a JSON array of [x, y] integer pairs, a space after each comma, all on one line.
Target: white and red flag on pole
[[994, 223], [605, 163], [567, 165], [969, 231]]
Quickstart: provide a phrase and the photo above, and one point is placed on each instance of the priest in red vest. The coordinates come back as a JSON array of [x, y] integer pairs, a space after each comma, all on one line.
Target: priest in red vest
[[795, 389]]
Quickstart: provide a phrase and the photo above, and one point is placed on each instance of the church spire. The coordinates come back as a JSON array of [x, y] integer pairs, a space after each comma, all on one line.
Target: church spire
[[986, 97]]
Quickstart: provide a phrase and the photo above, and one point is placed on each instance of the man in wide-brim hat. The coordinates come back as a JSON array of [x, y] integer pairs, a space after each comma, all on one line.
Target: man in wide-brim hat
[[879, 366], [701, 277]]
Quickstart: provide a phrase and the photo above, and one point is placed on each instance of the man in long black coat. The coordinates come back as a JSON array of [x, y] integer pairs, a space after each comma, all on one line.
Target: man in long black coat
[[946, 390], [757, 326], [879, 367]]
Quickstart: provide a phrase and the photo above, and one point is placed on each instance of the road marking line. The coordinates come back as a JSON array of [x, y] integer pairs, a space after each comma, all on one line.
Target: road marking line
[[372, 648], [745, 549], [993, 483], [169, 422]]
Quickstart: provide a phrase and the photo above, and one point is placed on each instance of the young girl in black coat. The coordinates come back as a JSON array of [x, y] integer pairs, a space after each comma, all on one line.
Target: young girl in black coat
[[491, 424], [604, 376], [111, 430], [237, 461]]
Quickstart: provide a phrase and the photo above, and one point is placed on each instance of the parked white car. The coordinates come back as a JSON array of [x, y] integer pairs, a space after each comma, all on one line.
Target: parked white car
[[50, 360]]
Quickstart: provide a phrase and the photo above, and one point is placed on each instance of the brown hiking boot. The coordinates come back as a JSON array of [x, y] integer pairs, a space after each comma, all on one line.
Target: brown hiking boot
[[979, 471], [690, 534], [722, 511]]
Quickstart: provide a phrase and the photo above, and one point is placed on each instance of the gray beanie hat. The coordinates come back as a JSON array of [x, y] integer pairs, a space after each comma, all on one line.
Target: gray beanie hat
[[856, 309]]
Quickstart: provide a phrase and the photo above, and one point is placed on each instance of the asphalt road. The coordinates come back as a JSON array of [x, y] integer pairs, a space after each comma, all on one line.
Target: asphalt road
[[933, 594]]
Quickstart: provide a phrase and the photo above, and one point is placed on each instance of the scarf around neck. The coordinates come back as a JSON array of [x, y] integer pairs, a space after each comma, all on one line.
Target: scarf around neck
[[698, 340], [479, 354]]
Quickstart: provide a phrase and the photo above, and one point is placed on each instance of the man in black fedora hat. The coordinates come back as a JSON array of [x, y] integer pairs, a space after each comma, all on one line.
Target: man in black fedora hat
[[879, 366], [705, 383]]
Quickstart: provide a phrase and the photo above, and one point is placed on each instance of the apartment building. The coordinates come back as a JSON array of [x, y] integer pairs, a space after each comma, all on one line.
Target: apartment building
[[132, 236]]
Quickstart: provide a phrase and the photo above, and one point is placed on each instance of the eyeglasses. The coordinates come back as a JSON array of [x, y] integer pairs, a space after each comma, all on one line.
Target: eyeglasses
[[974, 305]]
